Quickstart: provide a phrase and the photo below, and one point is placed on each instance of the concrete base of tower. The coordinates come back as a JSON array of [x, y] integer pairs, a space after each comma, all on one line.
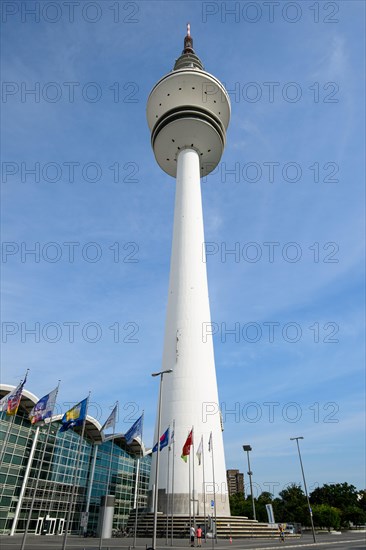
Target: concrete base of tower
[[177, 527], [181, 504]]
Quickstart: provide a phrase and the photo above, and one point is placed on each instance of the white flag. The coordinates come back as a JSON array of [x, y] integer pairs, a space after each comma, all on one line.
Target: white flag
[[111, 420], [172, 435], [199, 452]]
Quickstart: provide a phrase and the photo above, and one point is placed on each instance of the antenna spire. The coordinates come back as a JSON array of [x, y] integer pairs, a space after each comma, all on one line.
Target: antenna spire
[[188, 59], [188, 41]]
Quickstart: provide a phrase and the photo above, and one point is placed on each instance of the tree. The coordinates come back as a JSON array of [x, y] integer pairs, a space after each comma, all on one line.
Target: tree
[[265, 497], [361, 500], [278, 510], [333, 506], [236, 504], [240, 506], [260, 505], [326, 516], [343, 496], [294, 506], [339, 495], [354, 515]]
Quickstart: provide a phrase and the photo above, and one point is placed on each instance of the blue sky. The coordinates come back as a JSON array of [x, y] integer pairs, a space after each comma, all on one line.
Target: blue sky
[[296, 146]]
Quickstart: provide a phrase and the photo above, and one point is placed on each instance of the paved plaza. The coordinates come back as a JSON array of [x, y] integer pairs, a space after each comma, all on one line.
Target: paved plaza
[[346, 540]]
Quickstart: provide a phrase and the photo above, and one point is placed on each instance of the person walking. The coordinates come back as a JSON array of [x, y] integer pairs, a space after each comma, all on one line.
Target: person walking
[[282, 532]]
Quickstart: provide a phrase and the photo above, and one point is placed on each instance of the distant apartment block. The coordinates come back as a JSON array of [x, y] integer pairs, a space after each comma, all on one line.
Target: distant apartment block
[[235, 482]]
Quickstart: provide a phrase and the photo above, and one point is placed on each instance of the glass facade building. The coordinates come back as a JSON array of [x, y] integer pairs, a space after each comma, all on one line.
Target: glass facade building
[[105, 467]]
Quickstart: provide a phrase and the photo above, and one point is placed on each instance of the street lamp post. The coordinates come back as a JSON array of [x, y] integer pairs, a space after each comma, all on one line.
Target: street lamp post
[[306, 490], [248, 448], [161, 374]]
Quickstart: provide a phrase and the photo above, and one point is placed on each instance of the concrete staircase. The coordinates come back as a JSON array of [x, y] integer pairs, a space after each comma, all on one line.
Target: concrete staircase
[[230, 526]]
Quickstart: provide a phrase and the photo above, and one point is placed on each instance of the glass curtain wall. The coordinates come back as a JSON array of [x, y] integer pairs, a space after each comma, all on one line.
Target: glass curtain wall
[[57, 471]]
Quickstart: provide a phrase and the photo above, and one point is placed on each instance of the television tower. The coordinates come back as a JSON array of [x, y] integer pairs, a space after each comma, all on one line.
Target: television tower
[[188, 112]]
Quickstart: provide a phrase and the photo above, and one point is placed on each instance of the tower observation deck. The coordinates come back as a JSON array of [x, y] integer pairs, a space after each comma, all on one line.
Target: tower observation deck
[[188, 107]]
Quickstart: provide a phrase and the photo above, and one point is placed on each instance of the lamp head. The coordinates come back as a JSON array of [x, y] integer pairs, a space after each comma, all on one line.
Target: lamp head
[[247, 448], [162, 372]]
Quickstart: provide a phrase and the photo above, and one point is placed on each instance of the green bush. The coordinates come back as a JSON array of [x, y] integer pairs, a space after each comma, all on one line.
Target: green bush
[[326, 516]]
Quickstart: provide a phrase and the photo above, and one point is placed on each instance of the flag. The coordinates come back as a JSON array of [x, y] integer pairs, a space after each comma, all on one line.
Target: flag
[[187, 446], [199, 452], [75, 416], [111, 420], [171, 439], [10, 402], [135, 431], [210, 443], [43, 408], [172, 435], [164, 441]]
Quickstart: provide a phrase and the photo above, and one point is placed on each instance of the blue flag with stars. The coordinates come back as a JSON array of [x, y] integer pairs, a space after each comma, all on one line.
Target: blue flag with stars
[[135, 431]]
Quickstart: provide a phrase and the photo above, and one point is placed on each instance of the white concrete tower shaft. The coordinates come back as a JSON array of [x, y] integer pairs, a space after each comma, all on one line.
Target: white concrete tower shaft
[[188, 138]]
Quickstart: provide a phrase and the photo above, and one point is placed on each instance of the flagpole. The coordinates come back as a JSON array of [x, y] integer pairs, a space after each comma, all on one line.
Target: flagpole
[[68, 517], [172, 499], [25, 481], [38, 476], [167, 493], [76, 483], [204, 484], [111, 454], [137, 484], [193, 484], [55, 473], [90, 486], [108, 480], [8, 430], [189, 493], [156, 486], [136, 501], [156, 494], [214, 485]]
